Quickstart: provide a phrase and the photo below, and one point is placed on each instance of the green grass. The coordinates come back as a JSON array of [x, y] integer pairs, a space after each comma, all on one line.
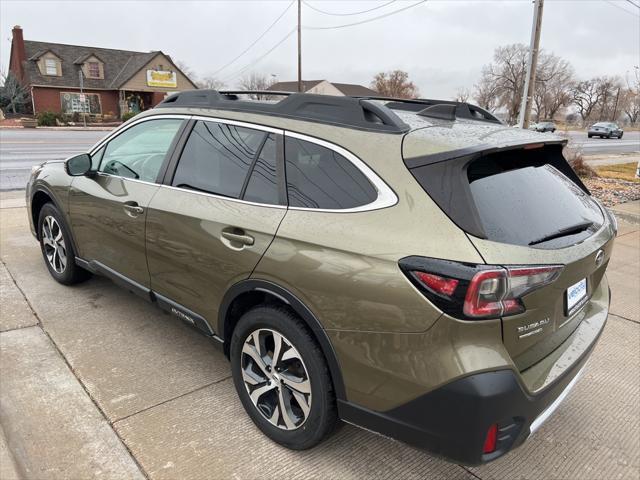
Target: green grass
[[622, 171]]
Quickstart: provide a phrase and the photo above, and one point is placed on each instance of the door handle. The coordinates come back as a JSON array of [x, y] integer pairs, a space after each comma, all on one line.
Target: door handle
[[132, 209], [238, 236]]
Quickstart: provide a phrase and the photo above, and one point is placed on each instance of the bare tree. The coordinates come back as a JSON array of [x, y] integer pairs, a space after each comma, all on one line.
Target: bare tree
[[13, 95], [462, 95], [485, 94], [599, 99], [630, 99], [554, 79], [506, 76], [257, 81], [502, 82], [210, 82], [394, 84], [186, 69]]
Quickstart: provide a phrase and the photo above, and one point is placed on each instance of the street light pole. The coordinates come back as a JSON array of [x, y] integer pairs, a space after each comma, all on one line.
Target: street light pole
[[530, 79], [299, 46]]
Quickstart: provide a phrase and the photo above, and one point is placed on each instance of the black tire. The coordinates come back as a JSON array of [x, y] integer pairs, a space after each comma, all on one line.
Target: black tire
[[589, 136], [608, 135], [620, 136], [70, 273], [322, 418]]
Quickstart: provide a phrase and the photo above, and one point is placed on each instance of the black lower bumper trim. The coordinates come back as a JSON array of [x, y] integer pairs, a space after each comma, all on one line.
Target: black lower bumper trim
[[452, 421]]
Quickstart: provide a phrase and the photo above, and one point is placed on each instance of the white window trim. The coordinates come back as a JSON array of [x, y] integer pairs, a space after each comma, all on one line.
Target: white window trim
[[386, 196]]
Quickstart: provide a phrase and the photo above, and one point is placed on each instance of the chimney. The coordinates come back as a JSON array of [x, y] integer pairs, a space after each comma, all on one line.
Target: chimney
[[18, 54]]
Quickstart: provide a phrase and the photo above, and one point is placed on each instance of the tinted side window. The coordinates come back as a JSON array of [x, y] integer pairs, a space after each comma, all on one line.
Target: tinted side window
[[318, 177], [263, 182], [139, 151], [217, 157]]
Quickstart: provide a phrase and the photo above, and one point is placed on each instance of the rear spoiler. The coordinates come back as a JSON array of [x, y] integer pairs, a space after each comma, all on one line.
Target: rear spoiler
[[442, 173]]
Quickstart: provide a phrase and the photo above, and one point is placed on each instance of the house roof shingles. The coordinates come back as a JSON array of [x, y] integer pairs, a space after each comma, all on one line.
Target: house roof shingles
[[119, 65], [345, 88]]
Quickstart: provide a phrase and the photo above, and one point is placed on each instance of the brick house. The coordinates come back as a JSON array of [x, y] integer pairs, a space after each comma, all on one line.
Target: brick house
[[113, 81]]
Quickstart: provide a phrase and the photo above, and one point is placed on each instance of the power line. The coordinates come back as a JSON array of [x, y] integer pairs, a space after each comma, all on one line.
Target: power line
[[634, 4], [256, 40], [347, 14], [368, 20], [621, 8], [246, 67]]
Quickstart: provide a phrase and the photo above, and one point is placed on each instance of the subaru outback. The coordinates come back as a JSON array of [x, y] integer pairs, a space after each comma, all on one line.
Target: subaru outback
[[412, 267]]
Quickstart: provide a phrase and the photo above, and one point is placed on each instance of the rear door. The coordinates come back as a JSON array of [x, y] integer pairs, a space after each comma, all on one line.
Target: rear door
[[209, 225], [525, 207], [108, 209]]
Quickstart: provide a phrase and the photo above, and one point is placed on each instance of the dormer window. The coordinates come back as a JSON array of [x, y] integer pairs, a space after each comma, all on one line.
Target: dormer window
[[50, 66], [93, 70]]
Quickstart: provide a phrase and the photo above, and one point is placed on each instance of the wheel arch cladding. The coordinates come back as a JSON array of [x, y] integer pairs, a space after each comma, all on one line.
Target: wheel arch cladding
[[245, 295], [38, 200]]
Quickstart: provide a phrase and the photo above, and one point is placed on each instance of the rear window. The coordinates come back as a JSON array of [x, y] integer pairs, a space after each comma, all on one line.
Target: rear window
[[520, 197], [533, 205]]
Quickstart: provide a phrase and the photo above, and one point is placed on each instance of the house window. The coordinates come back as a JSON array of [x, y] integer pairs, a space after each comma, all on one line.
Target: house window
[[82, 103], [50, 66], [93, 70]]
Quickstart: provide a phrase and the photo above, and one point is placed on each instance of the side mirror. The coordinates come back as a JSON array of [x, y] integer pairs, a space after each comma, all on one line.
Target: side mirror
[[78, 165]]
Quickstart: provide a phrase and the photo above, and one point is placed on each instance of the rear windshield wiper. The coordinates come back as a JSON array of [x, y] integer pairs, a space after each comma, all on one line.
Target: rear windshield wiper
[[563, 232]]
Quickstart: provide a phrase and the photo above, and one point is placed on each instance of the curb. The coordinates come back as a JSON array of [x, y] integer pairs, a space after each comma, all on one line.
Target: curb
[[629, 217]]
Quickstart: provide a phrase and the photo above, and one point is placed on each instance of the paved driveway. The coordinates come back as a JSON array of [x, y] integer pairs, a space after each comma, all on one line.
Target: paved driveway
[[98, 383]]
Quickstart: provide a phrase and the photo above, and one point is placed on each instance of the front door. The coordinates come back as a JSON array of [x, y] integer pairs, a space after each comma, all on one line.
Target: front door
[[209, 229], [108, 209]]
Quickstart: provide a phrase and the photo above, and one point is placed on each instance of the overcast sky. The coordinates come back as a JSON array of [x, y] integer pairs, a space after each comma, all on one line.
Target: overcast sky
[[441, 43]]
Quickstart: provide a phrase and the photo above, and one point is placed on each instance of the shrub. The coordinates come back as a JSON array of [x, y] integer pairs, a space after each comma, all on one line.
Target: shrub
[[126, 116], [576, 160], [48, 119]]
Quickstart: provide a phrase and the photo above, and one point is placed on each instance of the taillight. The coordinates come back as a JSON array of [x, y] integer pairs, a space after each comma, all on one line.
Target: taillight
[[439, 285], [477, 291]]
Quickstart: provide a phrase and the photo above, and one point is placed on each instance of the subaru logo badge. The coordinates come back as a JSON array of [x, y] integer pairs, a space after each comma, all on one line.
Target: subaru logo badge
[[599, 258]]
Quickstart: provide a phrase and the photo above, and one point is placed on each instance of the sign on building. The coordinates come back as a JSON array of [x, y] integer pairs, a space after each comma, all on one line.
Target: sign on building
[[162, 78]]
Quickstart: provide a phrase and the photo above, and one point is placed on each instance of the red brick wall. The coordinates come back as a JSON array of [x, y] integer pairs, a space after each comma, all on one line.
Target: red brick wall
[[157, 98], [48, 99]]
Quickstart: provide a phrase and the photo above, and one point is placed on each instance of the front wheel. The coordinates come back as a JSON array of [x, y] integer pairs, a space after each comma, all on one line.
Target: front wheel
[[282, 378], [620, 136], [57, 249]]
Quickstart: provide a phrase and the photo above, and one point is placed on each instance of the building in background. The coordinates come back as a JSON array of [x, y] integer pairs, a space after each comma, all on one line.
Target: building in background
[[114, 81], [324, 87]]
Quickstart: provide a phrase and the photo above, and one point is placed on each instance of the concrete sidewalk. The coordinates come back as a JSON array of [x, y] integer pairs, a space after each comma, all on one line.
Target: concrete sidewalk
[[98, 383]]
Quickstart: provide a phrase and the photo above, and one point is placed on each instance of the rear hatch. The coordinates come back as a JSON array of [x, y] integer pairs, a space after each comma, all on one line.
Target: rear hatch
[[522, 205]]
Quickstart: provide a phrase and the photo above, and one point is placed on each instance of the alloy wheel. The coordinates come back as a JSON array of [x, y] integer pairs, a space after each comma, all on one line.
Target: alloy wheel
[[53, 243], [276, 378]]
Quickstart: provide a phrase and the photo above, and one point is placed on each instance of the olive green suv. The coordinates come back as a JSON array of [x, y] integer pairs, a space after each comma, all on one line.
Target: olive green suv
[[411, 267]]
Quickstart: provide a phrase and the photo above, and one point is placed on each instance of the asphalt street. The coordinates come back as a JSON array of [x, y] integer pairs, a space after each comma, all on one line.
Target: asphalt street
[[629, 143], [20, 149]]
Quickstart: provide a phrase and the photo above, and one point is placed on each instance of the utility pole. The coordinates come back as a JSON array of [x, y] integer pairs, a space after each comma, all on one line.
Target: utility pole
[[300, 46], [530, 79]]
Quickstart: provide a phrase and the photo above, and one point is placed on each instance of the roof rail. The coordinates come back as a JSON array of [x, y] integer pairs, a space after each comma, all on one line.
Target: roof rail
[[351, 112], [463, 109]]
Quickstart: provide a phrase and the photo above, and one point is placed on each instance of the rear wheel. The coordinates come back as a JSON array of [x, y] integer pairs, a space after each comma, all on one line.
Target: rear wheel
[[56, 246], [282, 378], [620, 136], [589, 136], [608, 135]]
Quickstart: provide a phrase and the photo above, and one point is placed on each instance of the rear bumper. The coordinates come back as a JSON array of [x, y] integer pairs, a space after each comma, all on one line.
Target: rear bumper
[[452, 421]]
